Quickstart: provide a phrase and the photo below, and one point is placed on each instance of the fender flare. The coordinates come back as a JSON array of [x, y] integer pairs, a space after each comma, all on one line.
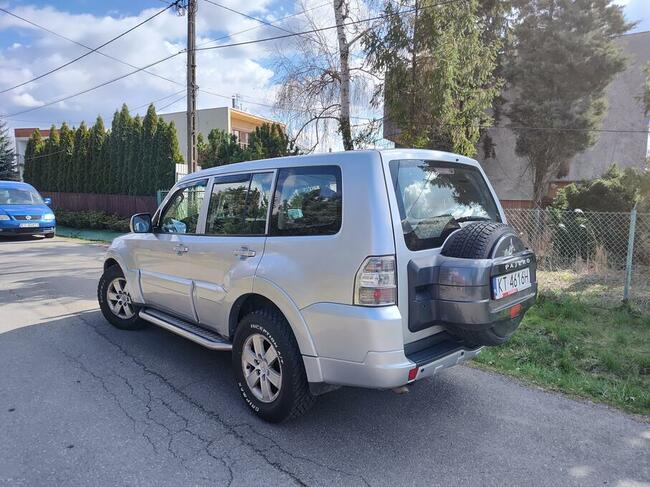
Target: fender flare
[[271, 291], [132, 276]]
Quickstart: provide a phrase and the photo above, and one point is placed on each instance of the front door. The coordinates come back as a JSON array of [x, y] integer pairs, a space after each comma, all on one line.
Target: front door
[[164, 258], [226, 257]]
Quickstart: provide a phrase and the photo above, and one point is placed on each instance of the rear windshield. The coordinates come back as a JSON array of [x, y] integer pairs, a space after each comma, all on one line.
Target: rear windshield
[[435, 198], [15, 196]]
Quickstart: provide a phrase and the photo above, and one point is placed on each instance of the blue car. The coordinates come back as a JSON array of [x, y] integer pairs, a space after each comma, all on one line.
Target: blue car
[[24, 212]]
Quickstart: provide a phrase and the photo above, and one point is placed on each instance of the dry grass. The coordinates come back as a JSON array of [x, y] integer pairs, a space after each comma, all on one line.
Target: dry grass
[[597, 285]]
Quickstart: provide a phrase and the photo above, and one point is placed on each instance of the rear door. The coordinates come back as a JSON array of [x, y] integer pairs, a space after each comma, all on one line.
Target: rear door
[[431, 196], [224, 259]]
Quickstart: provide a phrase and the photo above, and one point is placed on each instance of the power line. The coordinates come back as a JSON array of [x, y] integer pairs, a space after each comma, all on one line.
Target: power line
[[174, 55], [281, 19], [160, 99], [209, 48], [532, 128], [171, 103], [108, 56], [330, 27], [302, 12], [321, 29], [256, 19], [87, 90], [43, 75]]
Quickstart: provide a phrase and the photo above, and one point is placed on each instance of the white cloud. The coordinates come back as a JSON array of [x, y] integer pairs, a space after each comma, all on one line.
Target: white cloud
[[26, 100], [224, 71]]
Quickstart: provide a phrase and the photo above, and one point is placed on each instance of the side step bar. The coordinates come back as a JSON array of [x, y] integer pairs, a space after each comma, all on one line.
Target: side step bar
[[197, 334]]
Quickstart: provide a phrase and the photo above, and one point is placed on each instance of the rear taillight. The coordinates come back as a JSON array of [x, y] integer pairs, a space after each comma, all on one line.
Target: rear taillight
[[375, 283]]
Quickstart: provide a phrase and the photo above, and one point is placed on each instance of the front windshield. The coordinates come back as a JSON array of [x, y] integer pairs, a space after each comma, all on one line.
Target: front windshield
[[16, 196], [434, 198]]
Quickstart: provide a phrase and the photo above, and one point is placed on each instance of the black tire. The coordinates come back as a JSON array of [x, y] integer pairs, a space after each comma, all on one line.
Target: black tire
[[484, 240], [49, 235], [478, 240], [132, 323], [294, 397]]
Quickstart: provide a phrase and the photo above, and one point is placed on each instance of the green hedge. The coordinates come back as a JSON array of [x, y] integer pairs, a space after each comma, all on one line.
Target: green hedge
[[95, 220], [137, 156]]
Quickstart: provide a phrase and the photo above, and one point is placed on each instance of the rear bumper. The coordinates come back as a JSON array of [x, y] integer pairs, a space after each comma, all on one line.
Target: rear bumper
[[382, 370], [364, 347]]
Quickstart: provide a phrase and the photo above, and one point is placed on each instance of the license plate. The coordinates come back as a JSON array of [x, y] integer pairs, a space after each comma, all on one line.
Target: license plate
[[509, 284], [29, 225]]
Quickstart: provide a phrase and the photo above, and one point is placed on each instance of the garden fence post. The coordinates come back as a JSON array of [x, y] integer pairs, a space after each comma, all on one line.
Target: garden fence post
[[630, 255]]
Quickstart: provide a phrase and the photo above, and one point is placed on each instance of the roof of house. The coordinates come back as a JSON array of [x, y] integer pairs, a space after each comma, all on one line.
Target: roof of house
[[27, 132]]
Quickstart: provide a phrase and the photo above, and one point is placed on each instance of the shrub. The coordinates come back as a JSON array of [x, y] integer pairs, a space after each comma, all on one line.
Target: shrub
[[94, 220]]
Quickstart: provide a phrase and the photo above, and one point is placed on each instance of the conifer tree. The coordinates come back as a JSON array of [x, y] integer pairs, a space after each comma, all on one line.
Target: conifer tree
[[96, 161], [149, 126], [63, 168], [7, 155], [79, 173], [50, 160], [440, 73], [134, 165], [565, 56], [33, 159]]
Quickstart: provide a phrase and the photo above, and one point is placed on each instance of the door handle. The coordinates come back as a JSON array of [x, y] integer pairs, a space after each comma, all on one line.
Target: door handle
[[180, 249], [244, 252]]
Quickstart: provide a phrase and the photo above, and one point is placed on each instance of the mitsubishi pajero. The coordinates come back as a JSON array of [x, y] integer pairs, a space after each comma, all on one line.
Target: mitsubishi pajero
[[365, 268]]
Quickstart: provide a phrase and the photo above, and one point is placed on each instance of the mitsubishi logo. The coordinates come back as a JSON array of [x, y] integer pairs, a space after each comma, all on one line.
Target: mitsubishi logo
[[28, 217]]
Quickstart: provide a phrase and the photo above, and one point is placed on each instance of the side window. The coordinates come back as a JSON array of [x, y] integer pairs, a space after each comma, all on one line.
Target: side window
[[307, 201], [239, 205], [182, 212], [259, 196]]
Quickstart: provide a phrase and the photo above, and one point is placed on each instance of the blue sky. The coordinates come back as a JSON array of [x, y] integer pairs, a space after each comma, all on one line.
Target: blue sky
[[248, 70]]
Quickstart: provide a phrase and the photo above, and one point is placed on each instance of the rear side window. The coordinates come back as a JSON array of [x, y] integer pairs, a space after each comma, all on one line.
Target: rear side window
[[307, 201], [434, 198], [239, 205]]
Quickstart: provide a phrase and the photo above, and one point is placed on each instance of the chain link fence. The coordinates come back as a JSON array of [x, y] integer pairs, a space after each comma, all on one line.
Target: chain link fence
[[603, 257]]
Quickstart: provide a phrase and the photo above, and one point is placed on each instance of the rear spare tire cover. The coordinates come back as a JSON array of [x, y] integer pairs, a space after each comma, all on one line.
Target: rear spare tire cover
[[485, 240]]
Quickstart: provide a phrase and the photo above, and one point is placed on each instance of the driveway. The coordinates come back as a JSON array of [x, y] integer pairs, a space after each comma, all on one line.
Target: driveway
[[82, 403]]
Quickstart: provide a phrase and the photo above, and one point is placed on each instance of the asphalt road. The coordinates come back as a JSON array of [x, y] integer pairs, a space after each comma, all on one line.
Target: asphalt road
[[82, 403]]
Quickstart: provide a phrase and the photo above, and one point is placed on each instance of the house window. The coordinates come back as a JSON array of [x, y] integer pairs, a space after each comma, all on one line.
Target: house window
[[242, 137]]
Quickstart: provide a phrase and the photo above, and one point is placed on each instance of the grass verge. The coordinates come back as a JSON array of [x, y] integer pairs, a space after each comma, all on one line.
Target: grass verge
[[566, 345], [92, 235]]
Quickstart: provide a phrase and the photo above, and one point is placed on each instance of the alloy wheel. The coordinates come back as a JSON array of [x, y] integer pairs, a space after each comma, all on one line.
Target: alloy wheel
[[119, 300], [262, 369]]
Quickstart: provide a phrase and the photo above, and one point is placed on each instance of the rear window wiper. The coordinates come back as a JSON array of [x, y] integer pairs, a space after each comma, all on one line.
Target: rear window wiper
[[473, 219]]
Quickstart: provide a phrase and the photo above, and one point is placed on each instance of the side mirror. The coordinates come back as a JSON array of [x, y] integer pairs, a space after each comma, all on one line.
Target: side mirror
[[141, 223], [47, 201]]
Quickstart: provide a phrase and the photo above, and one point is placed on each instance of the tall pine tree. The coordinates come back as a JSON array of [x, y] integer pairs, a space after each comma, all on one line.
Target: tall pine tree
[[79, 174], [33, 159], [565, 56], [134, 161], [96, 157], [50, 160], [7, 155], [63, 169], [439, 66]]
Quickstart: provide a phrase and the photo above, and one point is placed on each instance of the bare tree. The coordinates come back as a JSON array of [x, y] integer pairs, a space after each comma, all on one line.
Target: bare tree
[[323, 77]]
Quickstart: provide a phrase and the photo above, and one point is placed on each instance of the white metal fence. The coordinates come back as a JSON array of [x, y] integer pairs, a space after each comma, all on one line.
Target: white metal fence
[[602, 256]]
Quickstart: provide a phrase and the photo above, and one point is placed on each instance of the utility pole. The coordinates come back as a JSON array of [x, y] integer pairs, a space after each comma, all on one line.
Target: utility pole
[[191, 86]]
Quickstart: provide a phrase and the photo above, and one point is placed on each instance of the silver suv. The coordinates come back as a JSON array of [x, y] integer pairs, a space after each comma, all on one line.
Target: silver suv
[[369, 268]]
